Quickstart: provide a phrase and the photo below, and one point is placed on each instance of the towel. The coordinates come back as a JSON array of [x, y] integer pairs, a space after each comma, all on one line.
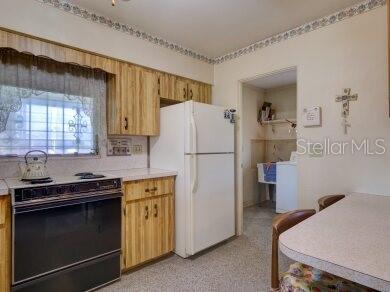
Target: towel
[[269, 172]]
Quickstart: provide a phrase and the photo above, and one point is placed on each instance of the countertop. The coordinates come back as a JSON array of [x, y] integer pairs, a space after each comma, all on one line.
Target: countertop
[[139, 173], [349, 239], [125, 175]]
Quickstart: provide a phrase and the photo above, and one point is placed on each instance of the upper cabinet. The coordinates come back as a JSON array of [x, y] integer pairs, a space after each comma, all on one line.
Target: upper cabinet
[[192, 90], [205, 93], [146, 111], [133, 105], [167, 86], [181, 87]]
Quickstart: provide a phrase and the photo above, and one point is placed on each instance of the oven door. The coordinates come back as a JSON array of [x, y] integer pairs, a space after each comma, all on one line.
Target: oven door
[[53, 236]]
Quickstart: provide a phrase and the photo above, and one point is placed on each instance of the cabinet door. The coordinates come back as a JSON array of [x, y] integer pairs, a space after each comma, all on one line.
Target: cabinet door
[[157, 230], [138, 246], [114, 103], [167, 86], [181, 93], [127, 93], [163, 225], [206, 93], [193, 91], [147, 103], [167, 217], [5, 243]]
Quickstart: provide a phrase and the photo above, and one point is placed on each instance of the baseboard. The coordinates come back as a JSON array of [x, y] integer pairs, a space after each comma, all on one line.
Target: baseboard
[[250, 203]]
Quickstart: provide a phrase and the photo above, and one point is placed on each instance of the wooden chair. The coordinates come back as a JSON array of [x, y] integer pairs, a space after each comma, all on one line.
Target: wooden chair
[[301, 277], [326, 201], [281, 223]]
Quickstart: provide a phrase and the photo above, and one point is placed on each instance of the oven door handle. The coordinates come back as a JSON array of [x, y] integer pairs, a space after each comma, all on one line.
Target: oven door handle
[[64, 203]]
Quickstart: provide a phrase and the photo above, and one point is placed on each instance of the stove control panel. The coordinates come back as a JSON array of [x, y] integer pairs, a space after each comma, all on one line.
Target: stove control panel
[[71, 189]]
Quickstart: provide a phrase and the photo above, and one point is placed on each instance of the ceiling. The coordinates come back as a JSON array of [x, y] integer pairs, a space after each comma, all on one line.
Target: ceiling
[[215, 27], [279, 79]]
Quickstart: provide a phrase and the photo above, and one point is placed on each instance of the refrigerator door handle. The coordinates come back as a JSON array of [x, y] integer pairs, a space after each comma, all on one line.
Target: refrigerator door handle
[[193, 135], [194, 163], [194, 183], [194, 173]]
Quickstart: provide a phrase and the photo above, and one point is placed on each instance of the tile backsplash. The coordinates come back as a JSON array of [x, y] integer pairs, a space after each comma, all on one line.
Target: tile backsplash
[[71, 165]]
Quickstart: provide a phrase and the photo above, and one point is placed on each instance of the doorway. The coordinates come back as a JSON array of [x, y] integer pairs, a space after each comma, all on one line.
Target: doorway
[[267, 137]]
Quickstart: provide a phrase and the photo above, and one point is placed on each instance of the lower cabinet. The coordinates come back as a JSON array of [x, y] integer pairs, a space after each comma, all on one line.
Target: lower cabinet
[[148, 220], [5, 243]]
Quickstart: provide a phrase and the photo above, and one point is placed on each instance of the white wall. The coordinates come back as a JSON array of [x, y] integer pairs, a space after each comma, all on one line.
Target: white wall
[[251, 102], [34, 18], [351, 53], [284, 101]]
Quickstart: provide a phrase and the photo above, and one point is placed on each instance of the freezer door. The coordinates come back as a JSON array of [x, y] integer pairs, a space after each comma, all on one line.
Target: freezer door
[[207, 131], [210, 187]]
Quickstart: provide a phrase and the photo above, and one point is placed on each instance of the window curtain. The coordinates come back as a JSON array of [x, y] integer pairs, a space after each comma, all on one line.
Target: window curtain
[[23, 76]]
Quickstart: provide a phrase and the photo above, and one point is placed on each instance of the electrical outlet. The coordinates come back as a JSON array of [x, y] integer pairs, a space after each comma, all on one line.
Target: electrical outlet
[[119, 147], [137, 149]]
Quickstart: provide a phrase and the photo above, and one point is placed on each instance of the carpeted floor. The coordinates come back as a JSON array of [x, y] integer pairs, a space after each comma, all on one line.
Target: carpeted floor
[[241, 264]]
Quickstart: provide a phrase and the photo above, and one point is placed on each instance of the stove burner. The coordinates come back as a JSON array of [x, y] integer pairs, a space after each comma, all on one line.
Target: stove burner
[[92, 176], [83, 173], [38, 181]]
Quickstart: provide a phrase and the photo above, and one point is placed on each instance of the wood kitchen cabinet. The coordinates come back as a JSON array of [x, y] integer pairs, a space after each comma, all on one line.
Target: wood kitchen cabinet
[[133, 102], [181, 94], [146, 112], [5, 243], [167, 86], [148, 220], [192, 90], [205, 93]]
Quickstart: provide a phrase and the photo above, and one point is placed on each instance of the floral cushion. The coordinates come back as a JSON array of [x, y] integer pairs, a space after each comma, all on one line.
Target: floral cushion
[[302, 278]]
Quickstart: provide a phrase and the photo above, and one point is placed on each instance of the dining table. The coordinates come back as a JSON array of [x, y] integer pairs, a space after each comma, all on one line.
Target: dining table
[[349, 239]]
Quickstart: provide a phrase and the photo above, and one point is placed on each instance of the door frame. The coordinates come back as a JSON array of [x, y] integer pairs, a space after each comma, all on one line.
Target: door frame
[[239, 144]]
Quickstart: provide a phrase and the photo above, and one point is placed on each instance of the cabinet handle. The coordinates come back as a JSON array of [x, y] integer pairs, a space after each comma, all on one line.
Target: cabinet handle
[[192, 94], [126, 123], [152, 191], [146, 212], [155, 210], [184, 93], [147, 190]]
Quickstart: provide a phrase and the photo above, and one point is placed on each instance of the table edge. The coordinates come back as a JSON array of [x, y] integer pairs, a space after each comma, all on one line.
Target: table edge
[[337, 270]]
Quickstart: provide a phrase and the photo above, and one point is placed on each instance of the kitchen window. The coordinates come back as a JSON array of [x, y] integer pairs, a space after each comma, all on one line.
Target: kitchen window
[[48, 105]]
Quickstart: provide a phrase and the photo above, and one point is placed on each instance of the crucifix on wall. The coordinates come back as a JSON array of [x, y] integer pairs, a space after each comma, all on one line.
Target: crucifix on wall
[[345, 99]]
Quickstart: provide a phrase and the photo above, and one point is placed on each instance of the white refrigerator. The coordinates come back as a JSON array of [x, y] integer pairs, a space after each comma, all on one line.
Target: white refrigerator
[[197, 141]]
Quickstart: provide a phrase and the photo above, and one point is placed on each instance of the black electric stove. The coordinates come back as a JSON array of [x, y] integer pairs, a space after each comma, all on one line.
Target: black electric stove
[[66, 237]]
